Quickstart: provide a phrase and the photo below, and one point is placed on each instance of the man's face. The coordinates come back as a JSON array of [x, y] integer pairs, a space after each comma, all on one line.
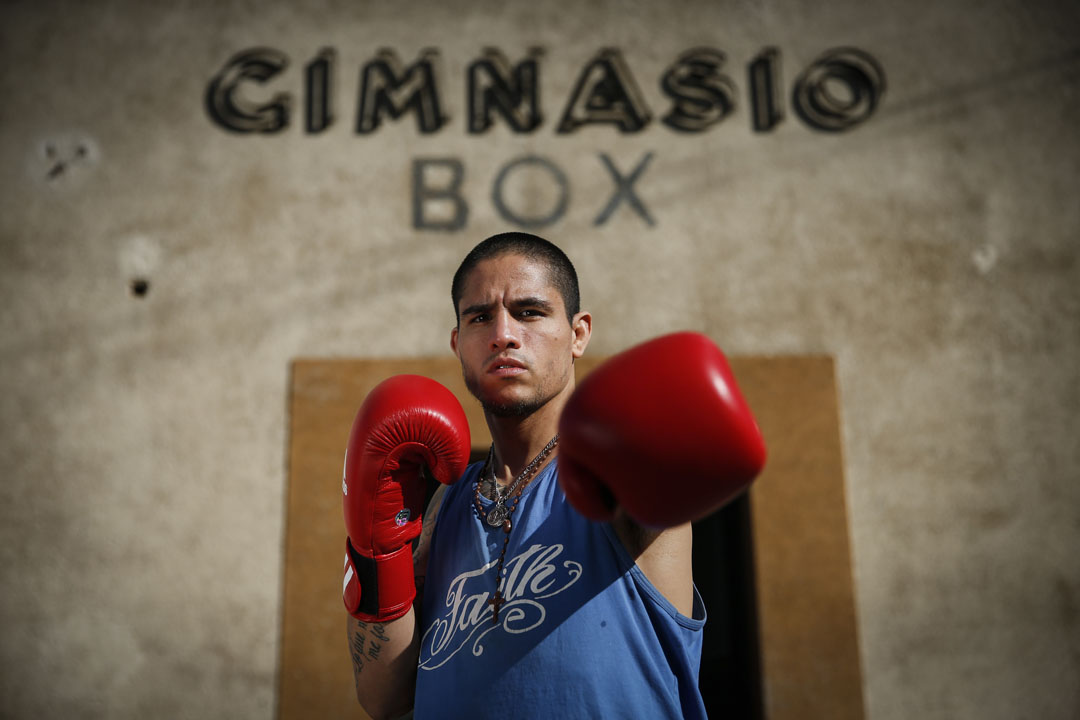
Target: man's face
[[513, 339]]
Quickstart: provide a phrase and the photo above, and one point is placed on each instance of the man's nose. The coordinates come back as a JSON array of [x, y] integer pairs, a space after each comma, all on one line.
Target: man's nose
[[504, 332]]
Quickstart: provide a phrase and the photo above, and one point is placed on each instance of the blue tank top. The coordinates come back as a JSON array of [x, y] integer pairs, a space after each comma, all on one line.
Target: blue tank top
[[582, 633]]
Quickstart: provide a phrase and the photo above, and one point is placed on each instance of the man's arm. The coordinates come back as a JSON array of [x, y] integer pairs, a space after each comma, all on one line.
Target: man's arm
[[384, 654], [384, 664], [423, 545], [665, 556], [656, 437], [405, 424]]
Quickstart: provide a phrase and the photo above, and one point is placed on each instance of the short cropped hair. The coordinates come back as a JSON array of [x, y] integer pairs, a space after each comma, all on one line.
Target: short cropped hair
[[560, 270]]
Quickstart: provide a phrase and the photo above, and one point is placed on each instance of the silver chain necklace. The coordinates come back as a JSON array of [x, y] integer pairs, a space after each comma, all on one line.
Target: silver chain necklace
[[500, 513]]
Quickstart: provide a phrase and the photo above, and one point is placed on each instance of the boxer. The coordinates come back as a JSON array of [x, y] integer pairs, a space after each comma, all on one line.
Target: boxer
[[553, 579]]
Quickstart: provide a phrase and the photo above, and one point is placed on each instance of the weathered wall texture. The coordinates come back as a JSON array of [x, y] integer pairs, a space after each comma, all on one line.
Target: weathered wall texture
[[932, 249]]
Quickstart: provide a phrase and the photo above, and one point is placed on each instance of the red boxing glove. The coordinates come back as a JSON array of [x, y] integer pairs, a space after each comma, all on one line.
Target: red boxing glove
[[406, 421], [661, 430]]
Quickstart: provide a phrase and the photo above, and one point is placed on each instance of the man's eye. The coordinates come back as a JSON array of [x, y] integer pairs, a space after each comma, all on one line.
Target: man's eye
[[478, 319]]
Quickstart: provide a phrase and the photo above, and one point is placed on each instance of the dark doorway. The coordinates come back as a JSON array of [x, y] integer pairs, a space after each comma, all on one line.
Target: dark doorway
[[730, 678]]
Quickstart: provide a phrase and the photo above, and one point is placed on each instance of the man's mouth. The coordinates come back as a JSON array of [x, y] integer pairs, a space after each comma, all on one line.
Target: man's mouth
[[506, 367]]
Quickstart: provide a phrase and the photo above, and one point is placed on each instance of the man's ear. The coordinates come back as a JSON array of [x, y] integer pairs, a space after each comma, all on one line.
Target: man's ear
[[581, 326], [453, 340]]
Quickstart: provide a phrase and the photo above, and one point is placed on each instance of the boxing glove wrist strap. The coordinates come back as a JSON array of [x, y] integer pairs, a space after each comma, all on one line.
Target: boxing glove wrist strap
[[380, 588]]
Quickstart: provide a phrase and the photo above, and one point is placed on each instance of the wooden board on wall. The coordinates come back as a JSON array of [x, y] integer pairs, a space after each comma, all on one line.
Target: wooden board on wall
[[802, 555], [809, 644]]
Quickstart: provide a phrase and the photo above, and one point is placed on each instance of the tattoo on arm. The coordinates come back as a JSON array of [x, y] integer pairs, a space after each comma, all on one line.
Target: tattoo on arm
[[423, 543], [364, 649], [378, 637], [356, 648]]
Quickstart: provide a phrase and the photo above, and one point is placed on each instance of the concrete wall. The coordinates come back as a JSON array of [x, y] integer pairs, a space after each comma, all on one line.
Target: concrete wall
[[932, 250]]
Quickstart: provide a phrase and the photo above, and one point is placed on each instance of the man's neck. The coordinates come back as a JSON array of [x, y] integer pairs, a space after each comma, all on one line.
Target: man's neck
[[518, 440]]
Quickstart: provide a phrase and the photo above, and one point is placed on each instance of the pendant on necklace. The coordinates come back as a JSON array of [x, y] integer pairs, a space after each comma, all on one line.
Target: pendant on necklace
[[495, 602], [497, 516]]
